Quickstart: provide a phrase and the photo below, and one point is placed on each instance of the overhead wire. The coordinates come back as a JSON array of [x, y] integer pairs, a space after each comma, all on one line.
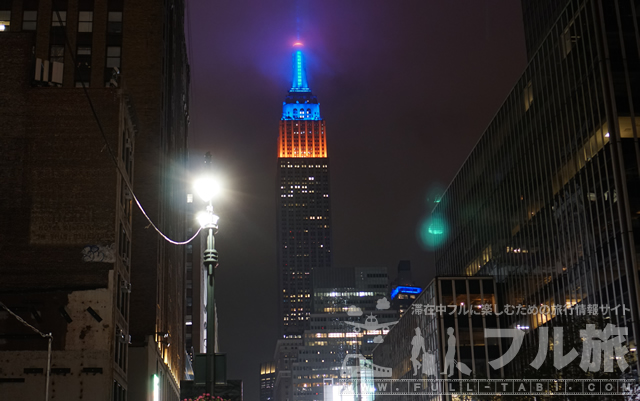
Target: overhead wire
[[49, 338], [106, 142]]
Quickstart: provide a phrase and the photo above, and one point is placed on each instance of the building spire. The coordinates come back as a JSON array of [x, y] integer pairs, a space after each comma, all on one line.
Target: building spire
[[300, 103], [299, 83]]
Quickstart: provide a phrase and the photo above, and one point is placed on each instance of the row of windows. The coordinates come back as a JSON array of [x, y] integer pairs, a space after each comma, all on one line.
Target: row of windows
[[59, 19], [304, 166], [84, 61], [83, 55]]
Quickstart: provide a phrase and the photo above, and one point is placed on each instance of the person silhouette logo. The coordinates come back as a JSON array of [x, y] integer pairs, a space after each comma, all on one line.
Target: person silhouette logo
[[450, 362], [417, 344]]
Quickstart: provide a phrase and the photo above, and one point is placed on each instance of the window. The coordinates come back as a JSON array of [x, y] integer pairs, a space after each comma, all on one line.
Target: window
[[58, 19], [114, 24], [124, 245], [527, 96], [120, 354], [29, 20], [113, 57], [5, 20], [56, 53], [85, 21], [119, 393], [83, 66]]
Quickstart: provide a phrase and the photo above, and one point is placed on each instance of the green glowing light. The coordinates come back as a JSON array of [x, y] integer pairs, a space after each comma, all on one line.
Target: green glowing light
[[432, 232], [436, 229]]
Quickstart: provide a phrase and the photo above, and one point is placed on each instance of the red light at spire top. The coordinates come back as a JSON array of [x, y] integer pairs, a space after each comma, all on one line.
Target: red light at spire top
[[297, 44]]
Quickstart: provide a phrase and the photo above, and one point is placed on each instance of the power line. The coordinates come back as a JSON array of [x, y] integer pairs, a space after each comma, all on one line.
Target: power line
[[49, 337], [24, 322], [106, 142]]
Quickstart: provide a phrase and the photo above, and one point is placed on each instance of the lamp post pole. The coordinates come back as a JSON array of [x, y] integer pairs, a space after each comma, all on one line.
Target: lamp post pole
[[211, 262]]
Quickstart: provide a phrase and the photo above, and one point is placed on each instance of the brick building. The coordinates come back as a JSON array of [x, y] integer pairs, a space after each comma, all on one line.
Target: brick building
[[77, 258]]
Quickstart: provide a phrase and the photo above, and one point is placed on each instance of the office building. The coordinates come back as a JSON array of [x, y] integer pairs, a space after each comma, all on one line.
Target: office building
[[267, 380], [468, 294], [545, 210], [304, 211], [86, 266], [65, 259], [351, 315], [548, 201], [403, 289], [285, 355]]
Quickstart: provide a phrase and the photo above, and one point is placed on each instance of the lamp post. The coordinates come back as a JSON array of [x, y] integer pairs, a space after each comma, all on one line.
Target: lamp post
[[207, 188]]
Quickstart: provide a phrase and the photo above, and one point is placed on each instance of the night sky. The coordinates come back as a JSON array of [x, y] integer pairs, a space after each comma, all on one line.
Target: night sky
[[406, 89]]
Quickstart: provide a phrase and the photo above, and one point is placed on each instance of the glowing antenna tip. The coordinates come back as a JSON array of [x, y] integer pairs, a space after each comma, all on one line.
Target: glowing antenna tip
[[297, 44]]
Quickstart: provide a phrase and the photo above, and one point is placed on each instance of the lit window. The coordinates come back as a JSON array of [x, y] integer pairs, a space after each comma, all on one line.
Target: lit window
[[29, 20], [85, 21], [527, 96], [58, 18], [5, 20], [114, 24]]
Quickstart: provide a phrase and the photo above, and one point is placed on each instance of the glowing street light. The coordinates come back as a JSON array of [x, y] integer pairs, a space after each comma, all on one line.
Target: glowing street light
[[208, 188]]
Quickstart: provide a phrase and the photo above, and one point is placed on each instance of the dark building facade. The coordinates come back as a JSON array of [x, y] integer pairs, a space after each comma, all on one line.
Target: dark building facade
[[64, 260], [548, 202], [423, 319], [113, 307], [304, 208]]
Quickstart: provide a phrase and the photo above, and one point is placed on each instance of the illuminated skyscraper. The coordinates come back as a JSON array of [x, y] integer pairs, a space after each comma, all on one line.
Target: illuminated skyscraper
[[304, 212]]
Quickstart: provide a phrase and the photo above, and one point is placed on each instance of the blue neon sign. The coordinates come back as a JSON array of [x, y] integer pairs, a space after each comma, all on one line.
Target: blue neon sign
[[405, 290]]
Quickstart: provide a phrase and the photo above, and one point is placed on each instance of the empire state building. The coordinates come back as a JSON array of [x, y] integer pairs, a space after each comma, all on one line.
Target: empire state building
[[304, 208]]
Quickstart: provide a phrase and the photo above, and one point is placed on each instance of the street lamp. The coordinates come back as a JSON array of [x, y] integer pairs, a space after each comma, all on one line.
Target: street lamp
[[207, 188]]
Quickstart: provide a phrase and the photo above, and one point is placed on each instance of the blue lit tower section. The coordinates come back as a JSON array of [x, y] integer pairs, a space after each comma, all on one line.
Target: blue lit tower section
[[304, 211]]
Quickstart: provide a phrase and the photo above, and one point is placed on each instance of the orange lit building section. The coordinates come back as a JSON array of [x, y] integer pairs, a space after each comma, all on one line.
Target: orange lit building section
[[302, 138]]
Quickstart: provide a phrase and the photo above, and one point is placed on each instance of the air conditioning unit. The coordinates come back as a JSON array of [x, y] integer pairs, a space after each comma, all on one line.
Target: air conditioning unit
[[42, 70], [48, 72], [56, 72]]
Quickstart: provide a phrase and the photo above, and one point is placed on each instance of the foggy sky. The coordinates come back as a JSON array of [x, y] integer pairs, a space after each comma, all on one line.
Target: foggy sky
[[406, 89]]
